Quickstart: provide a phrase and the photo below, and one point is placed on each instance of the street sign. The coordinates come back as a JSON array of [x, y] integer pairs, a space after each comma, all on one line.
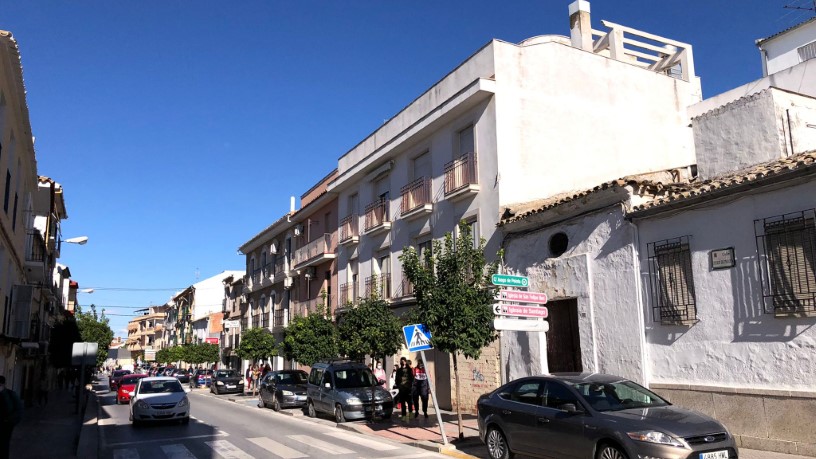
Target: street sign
[[232, 324], [84, 353], [520, 311], [507, 280], [211, 340], [523, 297], [417, 337], [501, 323]]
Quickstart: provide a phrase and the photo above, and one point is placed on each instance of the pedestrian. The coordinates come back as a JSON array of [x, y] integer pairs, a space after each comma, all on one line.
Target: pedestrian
[[266, 370], [11, 412], [42, 394], [405, 380], [256, 374], [379, 375], [421, 389], [392, 379], [248, 375]]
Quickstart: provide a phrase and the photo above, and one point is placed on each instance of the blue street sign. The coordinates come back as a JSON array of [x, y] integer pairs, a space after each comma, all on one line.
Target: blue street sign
[[417, 337]]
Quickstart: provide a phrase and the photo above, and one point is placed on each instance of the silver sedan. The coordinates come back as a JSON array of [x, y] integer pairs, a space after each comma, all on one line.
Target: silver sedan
[[159, 399]]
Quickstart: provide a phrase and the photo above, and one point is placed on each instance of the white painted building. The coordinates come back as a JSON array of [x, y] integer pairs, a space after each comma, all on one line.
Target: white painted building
[[508, 125], [789, 48]]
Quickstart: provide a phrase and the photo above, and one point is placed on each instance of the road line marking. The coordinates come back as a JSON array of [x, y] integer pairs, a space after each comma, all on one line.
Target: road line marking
[[159, 440], [278, 449], [413, 455], [128, 453], [361, 440], [177, 451], [320, 444], [227, 450]]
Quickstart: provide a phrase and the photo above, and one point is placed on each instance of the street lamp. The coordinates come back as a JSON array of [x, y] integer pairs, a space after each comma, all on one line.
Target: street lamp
[[86, 290], [81, 240]]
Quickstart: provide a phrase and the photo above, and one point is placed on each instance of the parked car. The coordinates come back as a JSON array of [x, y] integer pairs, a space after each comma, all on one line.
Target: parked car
[[182, 375], [159, 398], [581, 415], [201, 378], [224, 381], [345, 389], [115, 377], [126, 386], [283, 389]]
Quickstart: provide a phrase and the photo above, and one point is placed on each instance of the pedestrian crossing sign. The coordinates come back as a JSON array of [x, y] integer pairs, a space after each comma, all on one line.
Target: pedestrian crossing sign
[[417, 337]]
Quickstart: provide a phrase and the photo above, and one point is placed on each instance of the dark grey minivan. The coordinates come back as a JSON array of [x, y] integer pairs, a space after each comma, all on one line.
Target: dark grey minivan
[[344, 389], [582, 415]]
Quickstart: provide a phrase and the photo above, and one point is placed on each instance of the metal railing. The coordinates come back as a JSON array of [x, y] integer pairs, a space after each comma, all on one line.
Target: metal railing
[[460, 173], [279, 318], [348, 294], [321, 246], [376, 213], [35, 246], [415, 194], [280, 265], [379, 284], [349, 227]]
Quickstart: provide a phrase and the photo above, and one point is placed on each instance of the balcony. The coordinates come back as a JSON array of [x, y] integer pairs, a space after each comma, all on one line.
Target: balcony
[[305, 307], [132, 326], [348, 294], [461, 177], [279, 272], [36, 258], [280, 319], [349, 230], [315, 252], [405, 289], [415, 198], [377, 218], [379, 285]]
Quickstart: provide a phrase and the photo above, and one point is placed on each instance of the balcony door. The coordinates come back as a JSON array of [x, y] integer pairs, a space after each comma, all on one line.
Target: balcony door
[[422, 165]]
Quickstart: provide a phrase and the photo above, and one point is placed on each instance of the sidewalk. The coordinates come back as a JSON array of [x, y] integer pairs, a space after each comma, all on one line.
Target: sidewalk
[[51, 430]]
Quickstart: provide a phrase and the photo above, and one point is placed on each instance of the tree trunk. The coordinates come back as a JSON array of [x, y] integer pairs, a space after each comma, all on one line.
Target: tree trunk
[[458, 405]]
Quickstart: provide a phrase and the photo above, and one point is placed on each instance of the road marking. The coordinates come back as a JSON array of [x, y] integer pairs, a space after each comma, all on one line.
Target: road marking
[[413, 455], [361, 440], [227, 450], [128, 453], [320, 444], [278, 449], [177, 451], [219, 433]]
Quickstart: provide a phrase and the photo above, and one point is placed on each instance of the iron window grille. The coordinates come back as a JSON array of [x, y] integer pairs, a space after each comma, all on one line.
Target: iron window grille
[[671, 282], [786, 249]]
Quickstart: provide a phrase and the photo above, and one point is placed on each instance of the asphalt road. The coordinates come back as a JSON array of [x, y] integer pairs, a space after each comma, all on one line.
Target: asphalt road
[[223, 429]]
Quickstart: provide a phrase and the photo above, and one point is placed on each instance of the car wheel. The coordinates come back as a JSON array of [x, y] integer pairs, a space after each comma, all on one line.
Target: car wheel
[[610, 452], [339, 417], [311, 410], [497, 446], [261, 401], [276, 404]]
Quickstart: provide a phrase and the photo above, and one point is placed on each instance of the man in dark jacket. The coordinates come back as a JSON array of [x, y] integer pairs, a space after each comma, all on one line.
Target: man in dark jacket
[[405, 381], [11, 412]]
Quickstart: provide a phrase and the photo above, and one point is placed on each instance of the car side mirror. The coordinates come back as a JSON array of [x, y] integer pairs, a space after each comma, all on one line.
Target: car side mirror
[[570, 408], [327, 385]]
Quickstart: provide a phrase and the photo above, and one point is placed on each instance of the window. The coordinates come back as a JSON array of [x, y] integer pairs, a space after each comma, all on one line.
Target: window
[[422, 165], [807, 52], [671, 282], [559, 242], [466, 142], [527, 392], [787, 245], [557, 395]]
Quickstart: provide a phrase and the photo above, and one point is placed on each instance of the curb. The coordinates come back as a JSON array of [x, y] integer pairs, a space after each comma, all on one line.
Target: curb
[[448, 450], [88, 442]]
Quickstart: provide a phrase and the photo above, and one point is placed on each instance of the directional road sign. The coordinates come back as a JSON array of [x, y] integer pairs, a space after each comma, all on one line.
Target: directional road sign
[[501, 323], [520, 311], [417, 337], [509, 281], [523, 297]]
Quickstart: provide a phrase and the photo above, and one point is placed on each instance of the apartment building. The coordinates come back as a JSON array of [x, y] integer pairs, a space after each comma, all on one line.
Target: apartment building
[[146, 332], [233, 311], [513, 123], [191, 309]]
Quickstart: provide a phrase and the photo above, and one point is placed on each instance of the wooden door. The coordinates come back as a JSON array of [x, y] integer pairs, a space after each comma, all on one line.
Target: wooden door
[[563, 340]]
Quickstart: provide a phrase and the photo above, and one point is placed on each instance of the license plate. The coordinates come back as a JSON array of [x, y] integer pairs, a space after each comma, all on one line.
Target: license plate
[[230, 386], [300, 398], [715, 455], [165, 413]]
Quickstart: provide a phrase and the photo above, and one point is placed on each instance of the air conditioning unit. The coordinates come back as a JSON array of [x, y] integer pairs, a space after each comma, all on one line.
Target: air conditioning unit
[[310, 272], [298, 230]]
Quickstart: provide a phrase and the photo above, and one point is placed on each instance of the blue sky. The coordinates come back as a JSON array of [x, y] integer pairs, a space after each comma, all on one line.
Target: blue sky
[[179, 129]]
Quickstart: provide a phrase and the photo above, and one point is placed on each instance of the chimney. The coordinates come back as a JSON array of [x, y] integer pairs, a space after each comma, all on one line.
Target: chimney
[[580, 26], [292, 204]]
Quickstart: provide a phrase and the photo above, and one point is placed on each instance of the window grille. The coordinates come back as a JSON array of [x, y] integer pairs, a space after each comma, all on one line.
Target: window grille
[[671, 283], [807, 52], [786, 247]]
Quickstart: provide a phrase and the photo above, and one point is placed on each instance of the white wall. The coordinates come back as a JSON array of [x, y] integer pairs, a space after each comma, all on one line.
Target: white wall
[[734, 343], [209, 294], [781, 53], [598, 270]]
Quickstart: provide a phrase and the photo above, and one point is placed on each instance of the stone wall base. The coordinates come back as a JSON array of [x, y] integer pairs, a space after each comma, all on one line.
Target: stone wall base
[[767, 420]]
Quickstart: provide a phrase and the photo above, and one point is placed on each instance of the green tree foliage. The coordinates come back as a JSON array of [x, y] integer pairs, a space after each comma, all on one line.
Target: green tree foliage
[[94, 328], [309, 339], [199, 353], [257, 344], [370, 328], [63, 336], [454, 296]]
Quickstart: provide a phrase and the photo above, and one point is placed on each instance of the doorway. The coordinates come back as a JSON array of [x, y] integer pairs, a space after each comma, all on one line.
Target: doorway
[[563, 341]]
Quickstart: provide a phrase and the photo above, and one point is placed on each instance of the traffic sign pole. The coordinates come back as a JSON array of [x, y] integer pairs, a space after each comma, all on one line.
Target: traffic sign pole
[[436, 406]]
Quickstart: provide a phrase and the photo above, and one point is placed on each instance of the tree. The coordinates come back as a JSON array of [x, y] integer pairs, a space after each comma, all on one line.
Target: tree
[[94, 328], [199, 353], [311, 338], [370, 328], [454, 296], [257, 344], [63, 336]]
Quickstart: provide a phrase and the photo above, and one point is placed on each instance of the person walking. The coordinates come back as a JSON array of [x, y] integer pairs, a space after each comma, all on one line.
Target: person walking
[[405, 381], [379, 374], [256, 374], [11, 412], [248, 375], [421, 389]]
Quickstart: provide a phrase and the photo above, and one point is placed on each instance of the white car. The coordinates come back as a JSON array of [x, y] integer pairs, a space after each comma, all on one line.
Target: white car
[[159, 399]]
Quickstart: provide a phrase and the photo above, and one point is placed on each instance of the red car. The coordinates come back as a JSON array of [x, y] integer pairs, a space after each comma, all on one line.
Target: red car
[[115, 377], [126, 386]]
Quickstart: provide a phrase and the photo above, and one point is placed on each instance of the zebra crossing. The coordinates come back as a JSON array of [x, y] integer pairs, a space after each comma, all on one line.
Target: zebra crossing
[[328, 444]]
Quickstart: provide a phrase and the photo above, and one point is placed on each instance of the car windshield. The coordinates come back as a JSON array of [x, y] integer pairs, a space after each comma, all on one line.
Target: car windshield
[[225, 374], [131, 379], [354, 377], [291, 378], [155, 387], [619, 395]]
